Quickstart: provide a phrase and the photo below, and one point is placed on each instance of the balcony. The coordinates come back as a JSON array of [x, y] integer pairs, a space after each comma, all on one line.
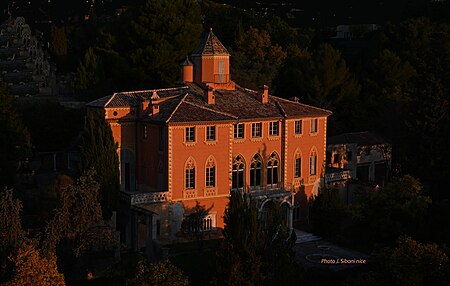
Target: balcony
[[276, 191], [137, 198], [336, 175]]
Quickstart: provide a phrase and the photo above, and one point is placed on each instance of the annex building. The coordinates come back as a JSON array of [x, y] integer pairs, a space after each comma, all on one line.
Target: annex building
[[208, 136]]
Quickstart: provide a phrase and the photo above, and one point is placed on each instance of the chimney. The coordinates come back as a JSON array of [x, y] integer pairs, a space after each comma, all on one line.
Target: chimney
[[187, 71], [155, 103], [209, 95], [294, 99], [264, 95]]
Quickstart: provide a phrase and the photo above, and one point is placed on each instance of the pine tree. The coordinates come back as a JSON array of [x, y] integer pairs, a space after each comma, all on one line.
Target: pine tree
[[90, 81], [256, 60], [160, 36], [98, 150]]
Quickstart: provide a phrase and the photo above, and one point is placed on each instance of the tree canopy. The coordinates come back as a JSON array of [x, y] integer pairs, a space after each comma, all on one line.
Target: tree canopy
[[255, 59], [32, 269], [160, 273], [11, 232], [90, 77], [257, 247], [160, 36], [78, 212], [414, 263]]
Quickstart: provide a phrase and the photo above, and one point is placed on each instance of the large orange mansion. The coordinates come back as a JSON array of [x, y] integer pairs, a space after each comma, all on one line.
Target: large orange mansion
[[198, 141]]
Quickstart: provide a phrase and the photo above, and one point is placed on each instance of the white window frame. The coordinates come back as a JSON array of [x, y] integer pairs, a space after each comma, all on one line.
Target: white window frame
[[190, 178], [274, 128], [314, 125], [239, 131], [298, 127], [189, 134], [210, 178], [211, 133], [257, 130]]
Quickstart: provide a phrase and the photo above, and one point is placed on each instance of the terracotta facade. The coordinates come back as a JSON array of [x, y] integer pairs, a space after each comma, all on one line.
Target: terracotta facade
[[197, 141]]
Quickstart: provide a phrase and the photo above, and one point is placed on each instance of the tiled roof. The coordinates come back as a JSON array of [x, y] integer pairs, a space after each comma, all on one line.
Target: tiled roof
[[187, 104], [294, 109], [210, 45], [132, 98], [365, 138], [99, 102]]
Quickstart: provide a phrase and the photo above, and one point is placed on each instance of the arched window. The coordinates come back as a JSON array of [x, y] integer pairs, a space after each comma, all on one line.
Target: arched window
[[210, 173], [272, 170], [255, 171], [238, 173], [190, 174], [297, 164], [313, 162]]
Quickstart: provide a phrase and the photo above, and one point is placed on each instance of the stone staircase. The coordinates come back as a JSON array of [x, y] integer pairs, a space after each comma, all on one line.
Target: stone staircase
[[303, 236]]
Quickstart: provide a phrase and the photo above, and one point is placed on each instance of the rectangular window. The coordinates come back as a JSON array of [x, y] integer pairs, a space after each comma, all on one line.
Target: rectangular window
[[161, 138], [312, 165], [298, 167], [210, 133], [221, 67], [314, 123], [298, 127], [256, 129], [336, 158], [349, 156], [239, 131], [273, 128], [145, 132], [190, 134], [211, 176], [190, 178]]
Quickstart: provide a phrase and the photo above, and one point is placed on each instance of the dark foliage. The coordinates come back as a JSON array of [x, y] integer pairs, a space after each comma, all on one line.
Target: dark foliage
[[98, 150], [14, 138]]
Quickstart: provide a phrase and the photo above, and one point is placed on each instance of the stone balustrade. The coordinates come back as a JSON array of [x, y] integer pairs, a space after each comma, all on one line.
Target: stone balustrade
[[145, 198]]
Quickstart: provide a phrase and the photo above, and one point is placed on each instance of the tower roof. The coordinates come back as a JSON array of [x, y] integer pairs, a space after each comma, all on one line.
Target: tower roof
[[186, 62], [210, 46]]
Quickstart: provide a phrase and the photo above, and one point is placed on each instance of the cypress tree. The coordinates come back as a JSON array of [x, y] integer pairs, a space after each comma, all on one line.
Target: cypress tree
[[239, 254], [14, 138], [256, 251], [98, 150]]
